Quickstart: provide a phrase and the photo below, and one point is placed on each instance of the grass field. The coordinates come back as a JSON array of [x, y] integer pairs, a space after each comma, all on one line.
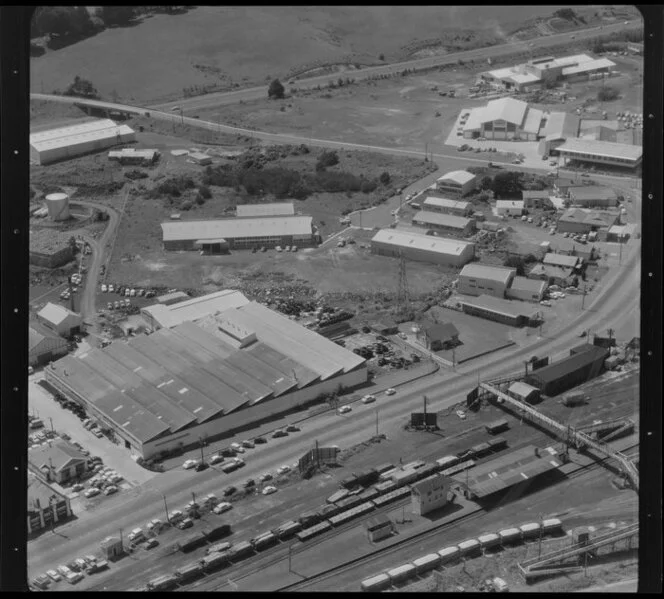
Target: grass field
[[242, 45]]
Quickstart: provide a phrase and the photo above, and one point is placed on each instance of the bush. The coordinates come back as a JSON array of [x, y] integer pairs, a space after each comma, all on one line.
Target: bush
[[385, 178], [82, 88], [204, 192], [327, 158], [276, 90], [607, 93], [368, 186], [186, 205], [200, 200], [135, 174], [516, 262]]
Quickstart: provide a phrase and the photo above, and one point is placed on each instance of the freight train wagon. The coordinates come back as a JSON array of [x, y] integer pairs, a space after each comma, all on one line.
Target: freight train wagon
[[377, 583], [314, 531], [426, 563], [401, 573], [449, 554]]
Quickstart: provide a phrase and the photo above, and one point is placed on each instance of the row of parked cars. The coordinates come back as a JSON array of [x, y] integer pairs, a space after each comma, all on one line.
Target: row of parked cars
[[126, 291], [72, 572]]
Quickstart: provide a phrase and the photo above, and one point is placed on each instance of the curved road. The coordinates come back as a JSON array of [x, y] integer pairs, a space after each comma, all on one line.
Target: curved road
[[614, 302]]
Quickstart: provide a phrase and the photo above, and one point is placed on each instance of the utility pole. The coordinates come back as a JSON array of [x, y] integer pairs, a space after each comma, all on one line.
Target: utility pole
[[52, 429], [539, 548], [426, 152], [453, 358], [376, 422], [166, 509], [583, 297], [620, 242], [525, 363], [317, 456], [202, 443], [121, 541]]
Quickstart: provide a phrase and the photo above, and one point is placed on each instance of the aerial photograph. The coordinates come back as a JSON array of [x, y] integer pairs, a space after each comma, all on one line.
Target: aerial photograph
[[335, 298]]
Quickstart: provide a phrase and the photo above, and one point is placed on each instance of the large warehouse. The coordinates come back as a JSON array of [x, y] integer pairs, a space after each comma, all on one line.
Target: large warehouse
[[238, 233], [504, 119], [480, 279], [225, 373], [605, 153], [558, 128], [593, 196], [584, 363], [76, 140], [457, 183], [448, 224], [584, 220], [423, 248]]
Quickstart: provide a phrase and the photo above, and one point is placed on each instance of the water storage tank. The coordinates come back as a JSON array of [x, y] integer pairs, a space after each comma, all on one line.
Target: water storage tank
[[58, 206]]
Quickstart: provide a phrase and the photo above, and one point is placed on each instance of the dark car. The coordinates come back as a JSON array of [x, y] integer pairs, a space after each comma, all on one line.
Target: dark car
[[228, 452], [381, 338], [260, 440], [230, 491], [202, 466], [249, 483], [277, 434], [291, 428]]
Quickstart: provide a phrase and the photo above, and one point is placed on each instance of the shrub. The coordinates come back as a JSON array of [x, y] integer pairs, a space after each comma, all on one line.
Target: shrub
[[327, 158], [200, 200], [204, 192], [607, 93], [276, 90], [186, 205], [368, 186], [516, 262], [385, 178]]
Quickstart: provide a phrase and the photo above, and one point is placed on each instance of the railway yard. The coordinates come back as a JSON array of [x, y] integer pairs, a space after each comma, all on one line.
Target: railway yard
[[236, 383]]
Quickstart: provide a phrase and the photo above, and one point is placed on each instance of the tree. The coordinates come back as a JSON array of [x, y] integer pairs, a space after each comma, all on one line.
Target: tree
[[608, 93], [385, 178], [117, 15], [61, 20], [486, 183], [565, 13], [381, 56], [276, 90], [516, 262], [327, 158], [507, 183], [204, 192]]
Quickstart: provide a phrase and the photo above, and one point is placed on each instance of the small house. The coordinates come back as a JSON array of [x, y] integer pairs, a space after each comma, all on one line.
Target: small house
[[439, 336]]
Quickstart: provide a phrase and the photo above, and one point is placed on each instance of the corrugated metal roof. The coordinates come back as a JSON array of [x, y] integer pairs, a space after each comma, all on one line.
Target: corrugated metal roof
[[501, 306], [588, 66], [506, 109], [530, 194], [601, 148], [272, 209], [446, 203], [561, 125], [572, 363], [121, 132], [475, 119], [533, 120], [57, 314], [561, 260], [593, 217], [460, 177], [58, 452], [510, 204], [78, 129], [446, 220], [42, 340], [592, 192], [521, 389], [289, 367], [238, 227], [525, 284], [406, 239], [484, 271]]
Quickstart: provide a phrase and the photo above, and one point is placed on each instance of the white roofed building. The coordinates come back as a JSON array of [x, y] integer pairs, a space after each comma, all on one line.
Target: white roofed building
[[59, 319], [586, 151], [480, 279], [447, 206], [509, 207], [58, 144], [457, 182], [504, 119], [272, 209], [422, 248], [445, 224]]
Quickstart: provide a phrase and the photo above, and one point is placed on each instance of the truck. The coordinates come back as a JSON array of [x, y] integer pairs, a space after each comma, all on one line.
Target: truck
[[574, 399]]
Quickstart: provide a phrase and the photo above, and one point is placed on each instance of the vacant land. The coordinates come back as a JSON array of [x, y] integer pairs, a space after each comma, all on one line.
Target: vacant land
[[233, 46]]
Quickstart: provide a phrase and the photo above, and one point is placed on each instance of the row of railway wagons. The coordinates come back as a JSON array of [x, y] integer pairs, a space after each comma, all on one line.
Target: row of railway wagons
[[466, 549]]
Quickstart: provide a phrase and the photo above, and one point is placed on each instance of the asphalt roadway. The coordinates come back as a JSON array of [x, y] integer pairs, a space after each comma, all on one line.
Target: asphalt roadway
[[612, 301]]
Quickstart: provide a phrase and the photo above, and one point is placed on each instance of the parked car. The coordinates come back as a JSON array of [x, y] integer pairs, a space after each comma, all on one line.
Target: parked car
[[368, 399], [292, 428], [74, 577], [41, 582], [63, 570], [184, 524], [53, 575], [545, 303], [222, 507], [228, 491], [283, 469], [237, 447], [189, 464], [269, 490], [248, 444], [390, 391], [77, 487], [217, 459], [260, 440], [92, 492], [265, 477], [201, 467], [155, 525], [344, 410], [150, 543], [278, 434], [136, 535], [461, 414], [249, 483], [175, 516]]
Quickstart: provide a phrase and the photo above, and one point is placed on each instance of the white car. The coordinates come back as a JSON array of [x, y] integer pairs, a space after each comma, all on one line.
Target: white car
[[52, 574], [269, 490], [110, 490], [74, 577], [92, 492], [344, 410], [111, 289], [216, 459], [222, 507], [368, 399], [237, 447], [132, 293], [283, 469], [63, 570], [154, 525], [175, 516], [390, 391], [104, 288], [545, 303], [136, 534], [189, 464], [461, 414]]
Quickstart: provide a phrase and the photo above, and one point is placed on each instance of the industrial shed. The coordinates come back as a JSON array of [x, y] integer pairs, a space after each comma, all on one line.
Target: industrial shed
[[562, 260], [54, 145], [525, 289], [134, 156], [447, 206], [480, 279], [44, 346], [504, 119], [515, 314], [569, 372], [524, 392], [447, 224], [509, 207], [533, 199], [593, 196], [583, 220], [422, 248], [239, 233], [224, 373], [60, 320], [559, 127], [516, 468], [459, 183], [601, 153], [272, 209]]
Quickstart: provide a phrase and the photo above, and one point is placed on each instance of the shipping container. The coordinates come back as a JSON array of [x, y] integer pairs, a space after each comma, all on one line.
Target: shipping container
[[189, 571], [497, 426], [162, 583], [349, 482], [426, 563], [498, 443], [489, 540], [530, 530], [449, 554], [469, 547], [377, 583], [510, 535], [401, 573]]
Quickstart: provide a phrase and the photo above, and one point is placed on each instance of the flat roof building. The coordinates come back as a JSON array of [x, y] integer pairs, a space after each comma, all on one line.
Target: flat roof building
[[604, 153], [583, 220], [447, 206], [272, 209], [457, 182], [525, 289], [515, 314], [223, 373], [76, 140], [422, 248], [509, 207], [448, 224], [134, 156], [593, 196], [481, 279], [239, 233]]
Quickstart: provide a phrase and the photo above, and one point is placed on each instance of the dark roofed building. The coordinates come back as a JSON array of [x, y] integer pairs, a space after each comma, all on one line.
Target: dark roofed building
[[378, 528], [57, 461], [385, 327], [439, 336], [44, 346], [515, 314], [584, 364], [46, 505]]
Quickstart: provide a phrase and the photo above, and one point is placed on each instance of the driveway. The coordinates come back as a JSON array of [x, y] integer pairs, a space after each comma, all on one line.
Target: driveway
[[114, 456]]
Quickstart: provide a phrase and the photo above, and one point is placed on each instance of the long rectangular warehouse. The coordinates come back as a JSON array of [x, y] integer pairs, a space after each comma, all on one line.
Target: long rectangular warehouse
[[75, 140], [226, 371], [239, 232], [444, 223], [424, 248]]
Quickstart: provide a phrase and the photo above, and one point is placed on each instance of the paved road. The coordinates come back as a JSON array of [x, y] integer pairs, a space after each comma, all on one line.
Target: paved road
[[605, 307], [624, 586], [255, 93]]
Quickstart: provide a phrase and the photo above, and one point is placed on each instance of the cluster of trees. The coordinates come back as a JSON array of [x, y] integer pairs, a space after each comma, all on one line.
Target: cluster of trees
[[565, 13], [76, 21], [607, 94], [82, 88], [327, 158], [503, 184], [173, 186], [520, 263], [276, 90]]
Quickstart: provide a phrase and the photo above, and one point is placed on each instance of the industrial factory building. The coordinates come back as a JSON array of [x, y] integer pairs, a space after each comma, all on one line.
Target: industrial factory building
[[527, 290], [447, 224], [558, 128], [459, 183], [584, 363], [480, 279], [60, 320], [515, 314], [54, 145], [44, 346], [198, 380], [423, 248], [603, 153], [219, 235], [272, 209], [504, 119], [50, 248], [447, 206], [584, 220], [592, 196]]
